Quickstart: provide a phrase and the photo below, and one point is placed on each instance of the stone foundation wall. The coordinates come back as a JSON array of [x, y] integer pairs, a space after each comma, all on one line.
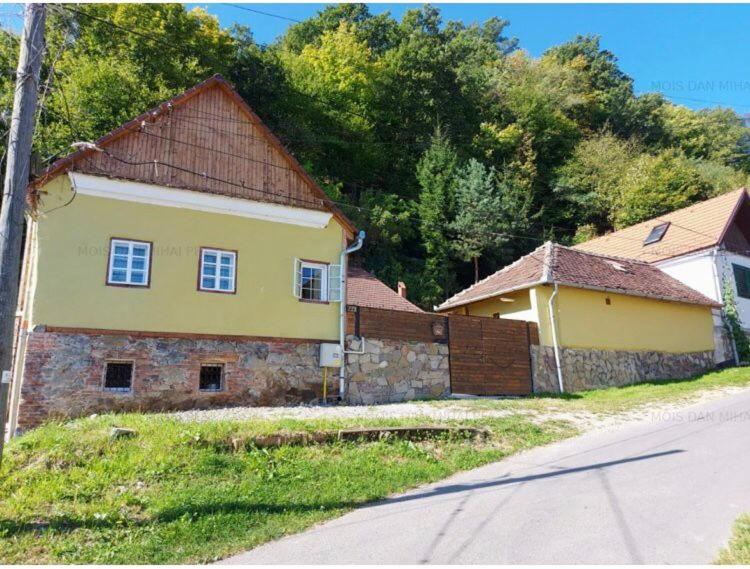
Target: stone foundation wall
[[591, 369], [394, 370], [64, 374]]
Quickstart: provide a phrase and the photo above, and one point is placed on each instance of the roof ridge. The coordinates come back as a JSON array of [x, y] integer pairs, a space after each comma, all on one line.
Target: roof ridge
[[499, 271]]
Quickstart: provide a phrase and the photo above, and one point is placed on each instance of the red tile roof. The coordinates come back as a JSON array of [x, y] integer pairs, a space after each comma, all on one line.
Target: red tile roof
[[552, 263], [693, 228], [363, 289]]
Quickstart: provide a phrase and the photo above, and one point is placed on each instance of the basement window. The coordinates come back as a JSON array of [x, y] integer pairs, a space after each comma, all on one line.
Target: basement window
[[657, 234], [211, 377], [118, 376]]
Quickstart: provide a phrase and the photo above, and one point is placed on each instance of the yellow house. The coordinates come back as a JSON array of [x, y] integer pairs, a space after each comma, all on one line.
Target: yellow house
[[184, 259], [602, 320]]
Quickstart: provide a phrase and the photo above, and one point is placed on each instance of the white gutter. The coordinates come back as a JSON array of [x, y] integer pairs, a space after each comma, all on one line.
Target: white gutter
[[555, 344], [342, 311]]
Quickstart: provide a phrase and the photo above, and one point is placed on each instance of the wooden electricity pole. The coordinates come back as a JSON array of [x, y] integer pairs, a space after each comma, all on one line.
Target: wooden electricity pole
[[13, 205]]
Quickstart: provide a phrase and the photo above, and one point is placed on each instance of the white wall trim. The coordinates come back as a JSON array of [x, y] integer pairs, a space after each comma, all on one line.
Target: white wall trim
[[102, 187]]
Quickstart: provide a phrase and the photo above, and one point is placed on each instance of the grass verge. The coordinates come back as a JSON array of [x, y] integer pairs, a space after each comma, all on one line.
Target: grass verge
[[616, 400], [177, 493], [738, 551]]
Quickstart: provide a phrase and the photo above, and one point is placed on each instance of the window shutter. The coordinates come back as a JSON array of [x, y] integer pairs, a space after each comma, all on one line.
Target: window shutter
[[297, 281], [334, 283]]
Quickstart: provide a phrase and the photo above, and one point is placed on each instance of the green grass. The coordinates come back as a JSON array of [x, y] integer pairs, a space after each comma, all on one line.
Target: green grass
[[177, 493], [738, 552], [616, 399]]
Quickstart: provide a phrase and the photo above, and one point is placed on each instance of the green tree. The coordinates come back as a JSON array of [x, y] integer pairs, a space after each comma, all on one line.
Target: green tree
[[659, 184], [591, 180], [478, 213], [709, 134], [436, 173]]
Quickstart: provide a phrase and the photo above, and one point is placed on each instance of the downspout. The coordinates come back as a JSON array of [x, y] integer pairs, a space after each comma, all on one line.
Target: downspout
[[555, 344], [342, 311]]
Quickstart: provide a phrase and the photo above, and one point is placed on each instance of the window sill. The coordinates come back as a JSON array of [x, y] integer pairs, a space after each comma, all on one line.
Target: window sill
[[217, 291], [129, 285], [211, 390], [119, 390], [310, 301]]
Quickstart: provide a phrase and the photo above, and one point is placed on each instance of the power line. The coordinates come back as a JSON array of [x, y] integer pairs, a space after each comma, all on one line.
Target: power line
[[263, 13]]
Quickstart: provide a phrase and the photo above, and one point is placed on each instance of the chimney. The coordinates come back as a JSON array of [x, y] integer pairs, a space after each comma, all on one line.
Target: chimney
[[401, 289]]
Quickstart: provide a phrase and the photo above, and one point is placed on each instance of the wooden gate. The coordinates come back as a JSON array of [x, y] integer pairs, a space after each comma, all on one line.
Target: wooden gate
[[490, 356]]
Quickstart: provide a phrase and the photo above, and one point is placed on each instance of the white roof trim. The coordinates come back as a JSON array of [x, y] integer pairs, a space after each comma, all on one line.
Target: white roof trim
[[103, 187]]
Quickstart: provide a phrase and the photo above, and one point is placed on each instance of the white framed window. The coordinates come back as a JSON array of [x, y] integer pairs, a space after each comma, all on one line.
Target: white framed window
[[218, 271], [129, 263], [317, 282]]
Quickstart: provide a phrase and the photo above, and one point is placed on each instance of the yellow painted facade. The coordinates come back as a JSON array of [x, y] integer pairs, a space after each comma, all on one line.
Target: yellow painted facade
[[72, 262], [628, 323], [515, 306]]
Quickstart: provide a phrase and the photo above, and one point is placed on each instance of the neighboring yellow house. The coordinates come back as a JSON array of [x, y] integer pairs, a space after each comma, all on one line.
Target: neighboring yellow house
[[184, 259], [608, 321]]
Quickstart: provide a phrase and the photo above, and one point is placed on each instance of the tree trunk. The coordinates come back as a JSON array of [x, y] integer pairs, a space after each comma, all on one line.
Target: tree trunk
[[476, 270]]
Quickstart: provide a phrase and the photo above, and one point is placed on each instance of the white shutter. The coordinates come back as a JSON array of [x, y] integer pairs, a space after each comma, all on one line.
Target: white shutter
[[297, 281], [334, 283]]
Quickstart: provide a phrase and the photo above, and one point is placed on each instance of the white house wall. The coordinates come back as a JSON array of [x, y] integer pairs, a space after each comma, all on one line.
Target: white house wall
[[696, 271]]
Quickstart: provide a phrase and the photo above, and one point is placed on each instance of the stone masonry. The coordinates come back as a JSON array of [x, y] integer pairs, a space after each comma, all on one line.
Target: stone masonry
[[393, 370], [591, 369], [64, 374]]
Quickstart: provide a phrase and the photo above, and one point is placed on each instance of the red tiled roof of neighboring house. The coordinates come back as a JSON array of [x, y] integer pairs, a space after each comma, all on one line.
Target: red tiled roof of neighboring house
[[520, 274], [70, 161], [699, 226], [552, 263], [363, 289]]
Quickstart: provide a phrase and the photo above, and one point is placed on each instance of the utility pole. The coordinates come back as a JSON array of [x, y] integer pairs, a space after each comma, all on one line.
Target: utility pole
[[13, 205]]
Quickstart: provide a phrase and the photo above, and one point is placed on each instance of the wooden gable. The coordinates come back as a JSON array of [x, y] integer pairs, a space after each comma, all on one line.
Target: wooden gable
[[207, 139]]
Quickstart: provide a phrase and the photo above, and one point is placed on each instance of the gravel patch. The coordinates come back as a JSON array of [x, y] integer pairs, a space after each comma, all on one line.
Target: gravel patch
[[583, 420], [387, 411]]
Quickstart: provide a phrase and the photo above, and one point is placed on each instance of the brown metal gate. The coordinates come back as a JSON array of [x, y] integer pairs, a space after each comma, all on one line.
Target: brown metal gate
[[490, 356]]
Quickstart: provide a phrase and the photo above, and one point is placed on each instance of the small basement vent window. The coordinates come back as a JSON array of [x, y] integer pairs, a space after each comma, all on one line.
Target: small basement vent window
[[118, 376], [657, 234], [211, 376]]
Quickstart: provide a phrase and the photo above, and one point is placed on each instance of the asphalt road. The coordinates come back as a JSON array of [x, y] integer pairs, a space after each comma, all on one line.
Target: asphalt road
[[665, 490]]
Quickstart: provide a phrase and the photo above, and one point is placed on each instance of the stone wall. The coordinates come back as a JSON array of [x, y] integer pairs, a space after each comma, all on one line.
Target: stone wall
[[395, 370], [591, 369], [64, 374]]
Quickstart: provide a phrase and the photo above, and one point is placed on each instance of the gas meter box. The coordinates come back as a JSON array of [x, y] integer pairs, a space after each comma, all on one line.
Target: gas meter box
[[330, 355]]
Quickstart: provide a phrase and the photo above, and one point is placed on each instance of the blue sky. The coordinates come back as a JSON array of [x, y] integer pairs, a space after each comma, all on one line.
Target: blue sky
[[697, 55]]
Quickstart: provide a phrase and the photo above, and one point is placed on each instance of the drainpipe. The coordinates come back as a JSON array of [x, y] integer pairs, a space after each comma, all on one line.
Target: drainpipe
[[555, 345], [342, 310]]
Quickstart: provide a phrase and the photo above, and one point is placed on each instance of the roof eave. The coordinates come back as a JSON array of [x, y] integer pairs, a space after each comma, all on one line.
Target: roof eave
[[444, 307], [708, 301], [733, 215]]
